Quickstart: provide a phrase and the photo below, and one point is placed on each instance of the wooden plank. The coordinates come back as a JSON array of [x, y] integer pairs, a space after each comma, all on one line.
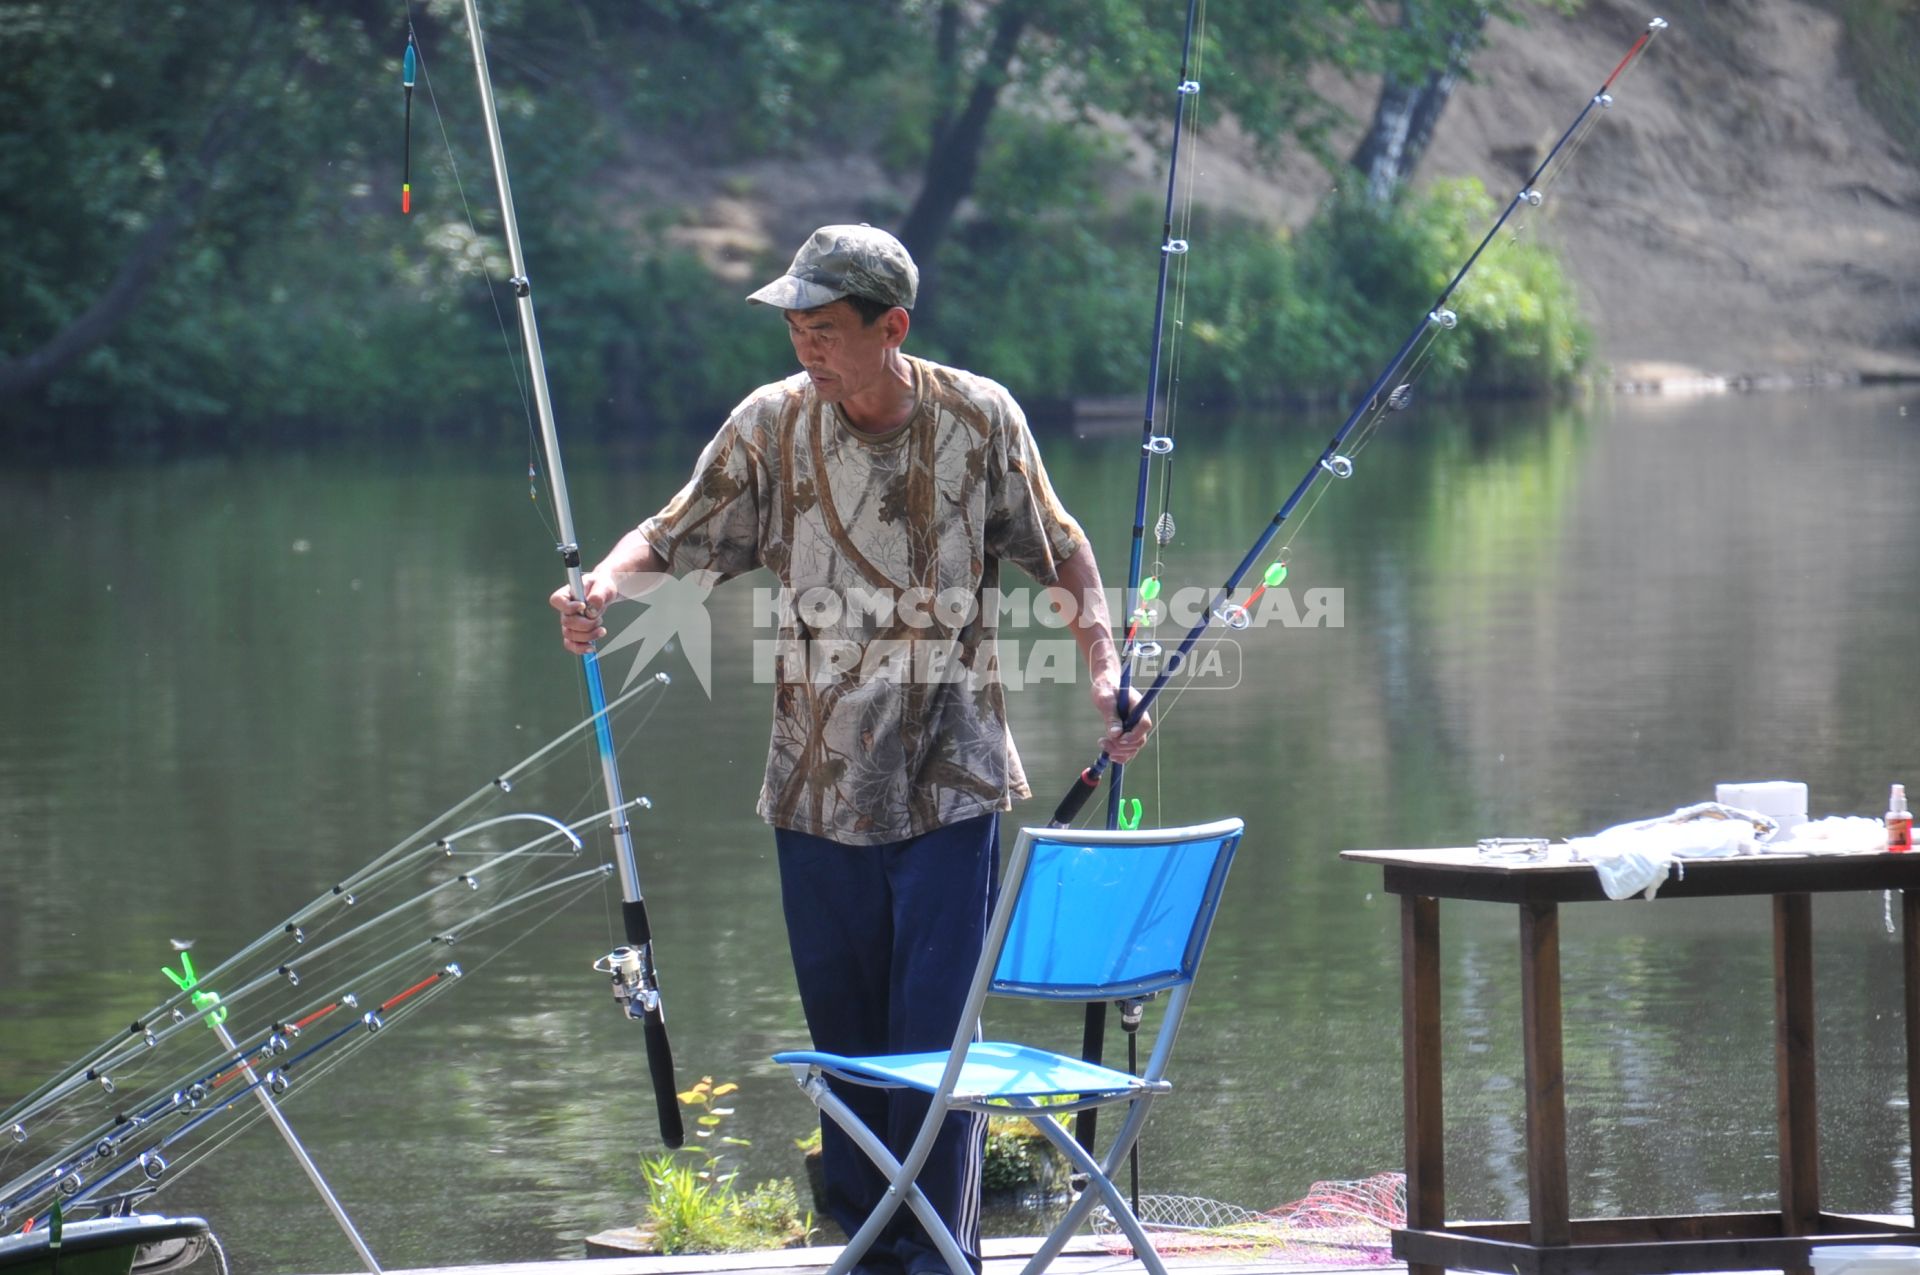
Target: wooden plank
[[1624, 1230], [1461, 1248], [1794, 1063], [1540, 1033], [788, 1261], [1425, 1121]]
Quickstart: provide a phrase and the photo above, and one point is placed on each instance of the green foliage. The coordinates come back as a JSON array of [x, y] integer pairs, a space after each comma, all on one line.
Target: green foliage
[[689, 1212], [1883, 51], [298, 299], [694, 1204], [1019, 1157], [1054, 307]]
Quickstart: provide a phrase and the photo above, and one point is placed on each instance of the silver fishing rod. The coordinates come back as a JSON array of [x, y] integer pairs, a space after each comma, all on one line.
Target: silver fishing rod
[[298, 1148], [631, 967]]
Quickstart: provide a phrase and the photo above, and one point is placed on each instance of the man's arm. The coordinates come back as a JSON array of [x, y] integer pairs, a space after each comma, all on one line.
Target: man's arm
[[1079, 574], [580, 625]]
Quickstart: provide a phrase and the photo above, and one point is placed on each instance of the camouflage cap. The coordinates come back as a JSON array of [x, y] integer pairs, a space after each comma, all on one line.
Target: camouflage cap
[[843, 261]]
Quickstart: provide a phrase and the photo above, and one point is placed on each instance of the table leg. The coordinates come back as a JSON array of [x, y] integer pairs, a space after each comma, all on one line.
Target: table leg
[[1910, 951], [1547, 1196], [1420, 1064], [1793, 1058]]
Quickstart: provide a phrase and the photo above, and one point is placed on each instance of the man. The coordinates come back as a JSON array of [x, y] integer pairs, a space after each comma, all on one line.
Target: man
[[884, 491]]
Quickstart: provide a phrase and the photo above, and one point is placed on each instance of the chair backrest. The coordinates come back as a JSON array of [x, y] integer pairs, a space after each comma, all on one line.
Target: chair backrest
[[1105, 915]]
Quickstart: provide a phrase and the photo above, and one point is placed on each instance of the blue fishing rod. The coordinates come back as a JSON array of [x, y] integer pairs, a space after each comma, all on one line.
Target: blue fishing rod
[[636, 984], [1332, 462], [1153, 445]]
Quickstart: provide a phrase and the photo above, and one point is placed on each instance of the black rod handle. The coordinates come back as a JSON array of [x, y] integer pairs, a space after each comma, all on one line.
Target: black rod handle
[[666, 1095], [1084, 786], [1093, 1047]]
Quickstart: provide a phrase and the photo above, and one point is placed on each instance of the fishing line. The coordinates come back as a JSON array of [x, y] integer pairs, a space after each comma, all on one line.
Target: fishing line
[[246, 1118], [1165, 526], [313, 1074], [113, 1056], [131, 1058], [156, 1166], [1138, 603], [1531, 199], [1398, 399], [1332, 460], [633, 733], [145, 1117], [310, 963], [493, 296]]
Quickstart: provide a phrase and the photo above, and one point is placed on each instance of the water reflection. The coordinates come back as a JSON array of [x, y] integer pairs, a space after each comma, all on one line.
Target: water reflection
[[1553, 620]]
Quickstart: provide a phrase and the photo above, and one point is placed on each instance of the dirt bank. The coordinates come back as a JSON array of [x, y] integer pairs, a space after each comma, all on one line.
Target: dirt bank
[[1738, 215]]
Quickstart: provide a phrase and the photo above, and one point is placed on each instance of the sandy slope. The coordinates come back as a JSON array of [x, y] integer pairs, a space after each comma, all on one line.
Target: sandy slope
[[1739, 213]]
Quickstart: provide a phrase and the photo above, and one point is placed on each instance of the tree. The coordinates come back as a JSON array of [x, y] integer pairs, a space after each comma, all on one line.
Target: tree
[[129, 143], [1414, 93], [1121, 56]]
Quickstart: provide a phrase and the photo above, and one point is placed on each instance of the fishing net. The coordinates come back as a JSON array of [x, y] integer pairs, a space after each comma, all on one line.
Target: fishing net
[[1345, 1223]]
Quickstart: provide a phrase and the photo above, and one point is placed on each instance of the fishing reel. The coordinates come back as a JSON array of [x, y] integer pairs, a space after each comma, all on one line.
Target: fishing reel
[[635, 986]]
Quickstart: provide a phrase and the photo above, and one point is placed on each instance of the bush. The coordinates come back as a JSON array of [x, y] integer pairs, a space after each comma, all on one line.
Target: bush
[[1056, 308], [693, 1202]]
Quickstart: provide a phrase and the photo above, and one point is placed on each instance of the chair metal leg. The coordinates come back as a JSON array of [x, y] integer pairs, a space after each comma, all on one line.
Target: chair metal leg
[[901, 1185], [1099, 1175]]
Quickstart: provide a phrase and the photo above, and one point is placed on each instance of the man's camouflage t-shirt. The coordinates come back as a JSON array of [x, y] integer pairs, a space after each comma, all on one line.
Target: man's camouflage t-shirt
[[889, 719]]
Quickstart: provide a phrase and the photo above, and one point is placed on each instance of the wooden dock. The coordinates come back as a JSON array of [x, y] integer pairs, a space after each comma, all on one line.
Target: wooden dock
[[1084, 1256]]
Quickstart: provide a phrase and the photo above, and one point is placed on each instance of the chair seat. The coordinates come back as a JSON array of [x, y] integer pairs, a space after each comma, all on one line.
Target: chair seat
[[994, 1069]]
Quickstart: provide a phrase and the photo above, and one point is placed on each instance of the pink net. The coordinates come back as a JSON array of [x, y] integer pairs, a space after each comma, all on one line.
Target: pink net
[[1336, 1223]]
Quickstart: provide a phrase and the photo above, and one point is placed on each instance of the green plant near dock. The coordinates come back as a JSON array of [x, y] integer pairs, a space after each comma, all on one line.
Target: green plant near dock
[[1019, 1158], [694, 1201]]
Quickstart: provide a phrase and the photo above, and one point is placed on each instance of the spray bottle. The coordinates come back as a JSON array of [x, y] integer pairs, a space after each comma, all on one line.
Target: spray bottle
[[1899, 821]]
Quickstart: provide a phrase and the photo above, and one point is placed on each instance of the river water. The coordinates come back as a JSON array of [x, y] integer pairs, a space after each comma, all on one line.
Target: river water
[[225, 682]]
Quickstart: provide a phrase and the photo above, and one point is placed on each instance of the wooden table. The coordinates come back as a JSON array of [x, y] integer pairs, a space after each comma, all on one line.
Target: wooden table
[[1549, 1242]]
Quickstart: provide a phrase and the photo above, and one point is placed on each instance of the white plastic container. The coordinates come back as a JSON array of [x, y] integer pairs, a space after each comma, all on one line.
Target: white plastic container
[[1784, 799], [1865, 1259]]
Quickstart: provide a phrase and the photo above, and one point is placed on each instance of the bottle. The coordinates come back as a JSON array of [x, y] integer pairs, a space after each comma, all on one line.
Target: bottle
[[1899, 822]]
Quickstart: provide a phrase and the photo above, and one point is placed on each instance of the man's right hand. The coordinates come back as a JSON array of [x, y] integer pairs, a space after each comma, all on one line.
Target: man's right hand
[[580, 625]]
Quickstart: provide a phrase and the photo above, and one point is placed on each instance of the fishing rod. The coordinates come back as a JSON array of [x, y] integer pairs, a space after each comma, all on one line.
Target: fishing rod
[[144, 1122], [1332, 462], [631, 968], [344, 894], [1153, 445], [146, 1139], [268, 994], [99, 1067]]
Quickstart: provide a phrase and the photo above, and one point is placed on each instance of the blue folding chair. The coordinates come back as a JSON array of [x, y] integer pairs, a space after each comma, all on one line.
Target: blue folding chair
[[1083, 916]]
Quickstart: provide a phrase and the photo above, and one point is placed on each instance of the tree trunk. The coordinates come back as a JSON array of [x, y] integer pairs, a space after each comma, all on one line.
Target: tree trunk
[[148, 252], [953, 160], [30, 371], [1406, 113]]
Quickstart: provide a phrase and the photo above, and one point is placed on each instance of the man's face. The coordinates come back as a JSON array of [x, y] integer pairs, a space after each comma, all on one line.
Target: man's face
[[843, 356]]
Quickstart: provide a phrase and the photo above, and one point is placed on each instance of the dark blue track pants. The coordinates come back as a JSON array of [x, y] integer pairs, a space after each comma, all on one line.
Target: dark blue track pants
[[885, 939]]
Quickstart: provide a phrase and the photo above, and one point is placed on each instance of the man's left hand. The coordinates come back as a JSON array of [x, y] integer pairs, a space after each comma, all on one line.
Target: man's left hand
[[1121, 745]]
